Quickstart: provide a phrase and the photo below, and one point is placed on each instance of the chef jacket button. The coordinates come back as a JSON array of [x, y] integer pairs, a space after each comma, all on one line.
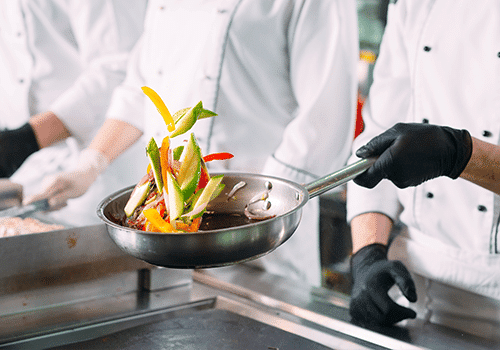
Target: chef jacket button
[[425, 121], [21, 81], [481, 208], [430, 195], [160, 72], [487, 133], [162, 8], [221, 11], [427, 48], [498, 54]]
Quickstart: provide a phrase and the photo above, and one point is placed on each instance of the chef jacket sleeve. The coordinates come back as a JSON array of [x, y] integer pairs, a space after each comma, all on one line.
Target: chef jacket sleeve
[[127, 102], [388, 102], [323, 51], [105, 32]]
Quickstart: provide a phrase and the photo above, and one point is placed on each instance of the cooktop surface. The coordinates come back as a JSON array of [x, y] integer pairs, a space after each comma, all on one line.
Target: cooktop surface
[[204, 329]]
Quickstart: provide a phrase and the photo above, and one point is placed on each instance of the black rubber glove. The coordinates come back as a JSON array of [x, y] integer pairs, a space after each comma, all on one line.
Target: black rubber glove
[[410, 154], [15, 146], [373, 275]]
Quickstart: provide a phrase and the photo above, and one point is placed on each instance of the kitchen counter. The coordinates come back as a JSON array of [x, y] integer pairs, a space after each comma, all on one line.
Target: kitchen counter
[[254, 301], [97, 297], [330, 309]]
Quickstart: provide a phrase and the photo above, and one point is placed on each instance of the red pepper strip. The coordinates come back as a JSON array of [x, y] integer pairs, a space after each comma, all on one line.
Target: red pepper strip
[[161, 208], [217, 156], [204, 177]]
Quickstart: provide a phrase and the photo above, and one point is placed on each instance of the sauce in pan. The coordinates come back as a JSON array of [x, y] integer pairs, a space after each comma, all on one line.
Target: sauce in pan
[[217, 221]]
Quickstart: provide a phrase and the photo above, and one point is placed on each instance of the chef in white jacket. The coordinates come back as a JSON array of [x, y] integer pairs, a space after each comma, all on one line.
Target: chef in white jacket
[[439, 65], [280, 74], [59, 63]]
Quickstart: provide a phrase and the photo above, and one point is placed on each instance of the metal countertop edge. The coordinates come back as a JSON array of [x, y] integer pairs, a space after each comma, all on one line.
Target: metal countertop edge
[[327, 322]]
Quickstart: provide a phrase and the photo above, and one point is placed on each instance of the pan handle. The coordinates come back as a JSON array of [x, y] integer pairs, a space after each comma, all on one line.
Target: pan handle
[[326, 183]]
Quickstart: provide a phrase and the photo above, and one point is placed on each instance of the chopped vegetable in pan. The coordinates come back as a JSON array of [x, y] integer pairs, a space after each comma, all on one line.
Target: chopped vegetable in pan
[[177, 188]]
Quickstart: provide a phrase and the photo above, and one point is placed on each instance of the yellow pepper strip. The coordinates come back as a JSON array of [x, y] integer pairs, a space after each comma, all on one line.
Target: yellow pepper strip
[[157, 221], [165, 167], [160, 106]]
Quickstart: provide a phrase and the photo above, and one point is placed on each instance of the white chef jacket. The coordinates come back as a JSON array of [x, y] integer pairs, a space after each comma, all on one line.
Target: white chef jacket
[[439, 63], [66, 57], [280, 74]]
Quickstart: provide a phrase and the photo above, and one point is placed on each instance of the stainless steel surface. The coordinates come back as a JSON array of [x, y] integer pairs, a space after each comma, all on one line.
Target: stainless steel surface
[[215, 248], [52, 268], [339, 177], [329, 308], [233, 324], [315, 314], [26, 210], [49, 251], [306, 314]]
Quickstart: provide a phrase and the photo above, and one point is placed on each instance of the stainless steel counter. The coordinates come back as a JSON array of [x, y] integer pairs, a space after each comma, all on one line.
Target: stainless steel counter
[[99, 298], [330, 309]]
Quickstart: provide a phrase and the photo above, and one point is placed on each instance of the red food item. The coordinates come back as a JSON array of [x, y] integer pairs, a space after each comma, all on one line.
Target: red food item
[[217, 156], [204, 177]]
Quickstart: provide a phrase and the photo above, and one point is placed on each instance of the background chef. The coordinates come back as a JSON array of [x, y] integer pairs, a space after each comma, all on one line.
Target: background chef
[[280, 74], [432, 69], [59, 63]]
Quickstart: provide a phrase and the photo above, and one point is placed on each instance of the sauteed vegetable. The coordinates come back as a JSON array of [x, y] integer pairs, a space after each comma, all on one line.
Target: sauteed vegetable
[[177, 187]]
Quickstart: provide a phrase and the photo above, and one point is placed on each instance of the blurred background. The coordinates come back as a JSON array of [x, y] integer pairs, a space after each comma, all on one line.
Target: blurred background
[[335, 232]]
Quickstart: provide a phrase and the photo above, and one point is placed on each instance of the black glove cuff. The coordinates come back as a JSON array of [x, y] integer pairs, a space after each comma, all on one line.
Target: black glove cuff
[[367, 256], [15, 146], [463, 145], [27, 140]]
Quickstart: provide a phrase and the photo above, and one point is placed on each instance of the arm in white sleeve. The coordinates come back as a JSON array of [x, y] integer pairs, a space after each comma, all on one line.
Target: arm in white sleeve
[[323, 68], [388, 103], [113, 138], [105, 32]]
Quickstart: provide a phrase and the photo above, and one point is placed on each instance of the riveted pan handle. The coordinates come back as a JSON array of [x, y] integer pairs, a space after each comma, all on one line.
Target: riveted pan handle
[[328, 182]]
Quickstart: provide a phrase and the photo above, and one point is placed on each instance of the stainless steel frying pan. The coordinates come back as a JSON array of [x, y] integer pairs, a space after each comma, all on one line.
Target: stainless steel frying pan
[[219, 247]]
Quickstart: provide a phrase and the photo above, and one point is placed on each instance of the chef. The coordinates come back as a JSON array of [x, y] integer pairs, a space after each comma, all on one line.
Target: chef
[[281, 75], [432, 69], [59, 62]]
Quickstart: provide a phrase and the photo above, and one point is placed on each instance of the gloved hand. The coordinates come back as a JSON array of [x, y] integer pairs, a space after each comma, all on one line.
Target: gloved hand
[[60, 187], [15, 146], [373, 275], [410, 154]]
